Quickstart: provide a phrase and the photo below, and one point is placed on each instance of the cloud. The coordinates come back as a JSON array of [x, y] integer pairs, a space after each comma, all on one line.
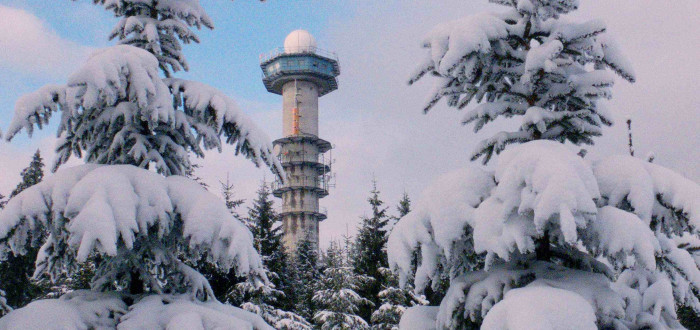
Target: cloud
[[28, 45]]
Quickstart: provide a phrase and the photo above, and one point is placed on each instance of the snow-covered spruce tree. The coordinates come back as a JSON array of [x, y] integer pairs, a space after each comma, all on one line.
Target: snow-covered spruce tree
[[336, 296], [268, 301], [369, 252], [404, 206], [267, 231], [526, 62], [394, 301], [623, 267], [304, 274], [148, 230], [31, 175], [609, 244], [228, 193], [114, 105], [261, 300], [16, 271]]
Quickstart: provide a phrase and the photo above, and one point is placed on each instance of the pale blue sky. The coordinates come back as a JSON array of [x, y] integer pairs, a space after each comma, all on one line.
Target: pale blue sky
[[227, 56], [374, 118]]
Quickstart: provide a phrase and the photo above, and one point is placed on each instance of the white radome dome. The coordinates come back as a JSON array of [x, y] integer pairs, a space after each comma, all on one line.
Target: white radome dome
[[299, 41]]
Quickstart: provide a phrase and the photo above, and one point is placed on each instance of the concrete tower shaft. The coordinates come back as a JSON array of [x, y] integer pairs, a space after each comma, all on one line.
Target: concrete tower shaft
[[305, 170], [303, 96], [301, 73]]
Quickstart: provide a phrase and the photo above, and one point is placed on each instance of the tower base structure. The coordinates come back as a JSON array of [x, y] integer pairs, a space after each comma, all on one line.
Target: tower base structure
[[307, 175]]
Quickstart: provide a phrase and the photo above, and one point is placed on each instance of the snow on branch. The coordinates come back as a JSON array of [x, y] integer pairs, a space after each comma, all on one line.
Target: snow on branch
[[158, 27], [441, 217], [208, 105], [80, 309], [109, 75], [570, 32], [614, 58], [650, 301], [85, 309], [116, 109], [652, 192], [544, 9], [619, 234], [36, 108], [555, 309], [172, 311], [451, 42], [542, 186], [124, 213], [477, 294]]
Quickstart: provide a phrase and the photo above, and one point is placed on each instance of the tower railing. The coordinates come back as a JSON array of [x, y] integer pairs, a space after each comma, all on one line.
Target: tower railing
[[288, 209], [319, 182], [298, 50], [304, 157]]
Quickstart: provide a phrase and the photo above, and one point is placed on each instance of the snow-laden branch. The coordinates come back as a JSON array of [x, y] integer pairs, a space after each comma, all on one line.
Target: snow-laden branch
[[475, 294], [84, 309], [208, 105], [116, 109], [180, 312], [80, 309], [653, 192], [438, 221], [133, 218], [668, 203], [542, 186]]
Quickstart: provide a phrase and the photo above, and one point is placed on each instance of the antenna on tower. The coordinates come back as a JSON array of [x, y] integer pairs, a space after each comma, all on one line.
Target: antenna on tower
[[629, 135], [295, 111]]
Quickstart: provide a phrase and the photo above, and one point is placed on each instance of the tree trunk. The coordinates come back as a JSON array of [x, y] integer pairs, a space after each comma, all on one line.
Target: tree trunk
[[136, 284], [542, 247]]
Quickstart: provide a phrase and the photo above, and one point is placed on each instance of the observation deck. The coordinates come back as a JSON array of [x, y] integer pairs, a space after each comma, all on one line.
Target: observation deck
[[283, 65]]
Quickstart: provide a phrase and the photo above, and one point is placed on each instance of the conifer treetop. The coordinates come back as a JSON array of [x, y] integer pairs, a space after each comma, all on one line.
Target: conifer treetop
[[337, 293], [404, 206], [31, 175], [158, 26], [525, 62]]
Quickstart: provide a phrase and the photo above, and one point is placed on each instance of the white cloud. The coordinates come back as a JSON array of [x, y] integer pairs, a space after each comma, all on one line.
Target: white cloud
[[28, 45]]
